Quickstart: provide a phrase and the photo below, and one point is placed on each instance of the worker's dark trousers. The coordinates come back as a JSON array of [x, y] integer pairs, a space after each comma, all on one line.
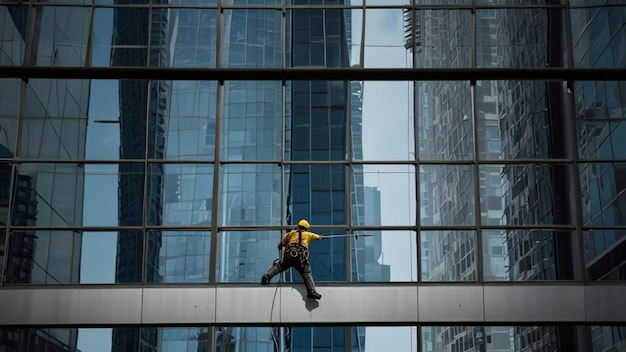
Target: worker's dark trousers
[[300, 262]]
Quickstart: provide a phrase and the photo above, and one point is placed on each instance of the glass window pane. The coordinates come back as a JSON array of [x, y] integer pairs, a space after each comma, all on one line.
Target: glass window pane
[[494, 255], [525, 194], [498, 338], [446, 194], [43, 257], [66, 45], [247, 3], [192, 43], [354, 33], [102, 182], [250, 195], [316, 121], [521, 255], [377, 138], [98, 257], [319, 37], [513, 127], [9, 97], [251, 38], [129, 258], [49, 137], [441, 38], [180, 194], [252, 120], [383, 195], [184, 127], [531, 255], [14, 21], [599, 37], [383, 256], [448, 256], [93, 339], [48, 195], [129, 40], [520, 38], [8, 136], [159, 339], [244, 256], [604, 248], [55, 119], [317, 193], [384, 45], [385, 2], [444, 119], [603, 189], [600, 119], [435, 2], [45, 338], [178, 256], [102, 40], [518, 2], [387, 338], [103, 127], [112, 195]]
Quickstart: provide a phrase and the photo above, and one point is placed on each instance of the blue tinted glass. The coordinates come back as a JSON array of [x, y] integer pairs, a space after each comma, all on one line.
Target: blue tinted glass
[[252, 121], [599, 37], [252, 38], [241, 198], [66, 45], [244, 256], [12, 43], [520, 38], [602, 188], [178, 256]]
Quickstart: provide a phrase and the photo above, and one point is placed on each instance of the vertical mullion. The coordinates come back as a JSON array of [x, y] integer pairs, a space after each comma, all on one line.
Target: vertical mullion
[[90, 35], [216, 167], [475, 150], [348, 179], [146, 180], [216, 177], [572, 149]]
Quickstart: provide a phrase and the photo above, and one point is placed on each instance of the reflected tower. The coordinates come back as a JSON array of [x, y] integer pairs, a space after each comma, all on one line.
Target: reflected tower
[[142, 135]]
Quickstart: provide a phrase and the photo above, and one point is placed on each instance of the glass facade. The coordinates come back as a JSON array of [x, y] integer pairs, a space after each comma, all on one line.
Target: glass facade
[[172, 143]]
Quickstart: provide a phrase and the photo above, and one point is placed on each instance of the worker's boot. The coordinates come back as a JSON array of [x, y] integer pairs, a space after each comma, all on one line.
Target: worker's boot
[[313, 294], [269, 274], [310, 285]]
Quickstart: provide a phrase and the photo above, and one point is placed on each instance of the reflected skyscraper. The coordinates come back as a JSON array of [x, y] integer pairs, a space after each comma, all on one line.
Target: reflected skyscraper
[[142, 108], [514, 120]]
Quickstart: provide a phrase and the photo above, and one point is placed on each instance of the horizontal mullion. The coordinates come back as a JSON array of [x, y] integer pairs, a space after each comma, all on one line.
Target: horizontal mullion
[[309, 162], [344, 228], [311, 74]]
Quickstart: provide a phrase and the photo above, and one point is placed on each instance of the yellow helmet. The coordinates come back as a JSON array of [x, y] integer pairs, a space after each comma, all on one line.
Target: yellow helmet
[[304, 224]]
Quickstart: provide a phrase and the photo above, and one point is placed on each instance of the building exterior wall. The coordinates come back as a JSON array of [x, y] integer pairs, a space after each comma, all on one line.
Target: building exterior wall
[[170, 145]]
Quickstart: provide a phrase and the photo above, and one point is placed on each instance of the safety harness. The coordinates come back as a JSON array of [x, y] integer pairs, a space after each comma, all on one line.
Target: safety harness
[[297, 250]]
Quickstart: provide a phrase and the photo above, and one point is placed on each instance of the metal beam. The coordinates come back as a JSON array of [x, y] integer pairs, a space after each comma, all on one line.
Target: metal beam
[[341, 304], [311, 73]]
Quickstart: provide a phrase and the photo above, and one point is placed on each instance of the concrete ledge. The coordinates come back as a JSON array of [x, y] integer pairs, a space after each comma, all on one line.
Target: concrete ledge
[[341, 304]]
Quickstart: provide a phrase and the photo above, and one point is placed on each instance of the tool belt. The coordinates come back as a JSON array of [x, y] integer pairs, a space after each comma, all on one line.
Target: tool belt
[[294, 251]]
